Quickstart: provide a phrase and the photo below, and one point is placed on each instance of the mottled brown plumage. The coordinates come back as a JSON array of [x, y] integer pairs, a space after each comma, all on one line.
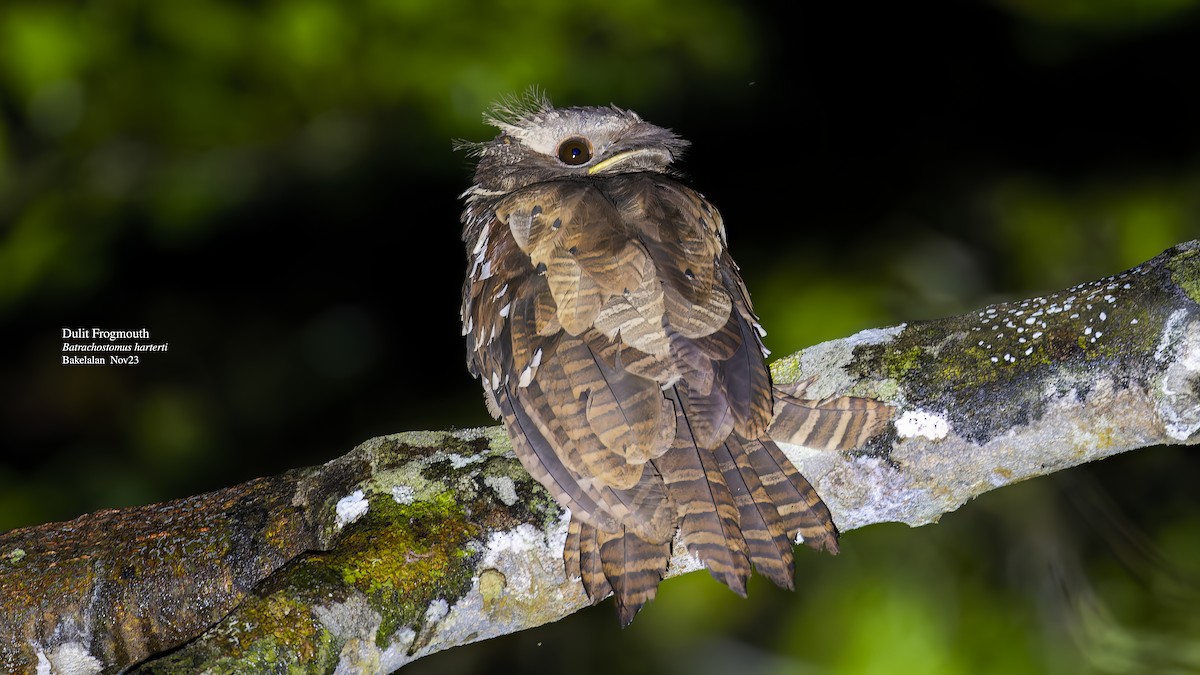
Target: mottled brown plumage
[[615, 338]]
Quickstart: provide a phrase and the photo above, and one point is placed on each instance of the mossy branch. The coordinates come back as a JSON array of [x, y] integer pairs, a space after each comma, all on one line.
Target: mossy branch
[[419, 542]]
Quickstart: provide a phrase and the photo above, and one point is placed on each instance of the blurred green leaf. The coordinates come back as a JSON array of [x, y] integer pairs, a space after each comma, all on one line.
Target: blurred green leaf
[[40, 43]]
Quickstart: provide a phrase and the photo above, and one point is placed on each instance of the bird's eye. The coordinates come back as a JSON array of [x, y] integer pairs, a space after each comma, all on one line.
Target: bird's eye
[[574, 151]]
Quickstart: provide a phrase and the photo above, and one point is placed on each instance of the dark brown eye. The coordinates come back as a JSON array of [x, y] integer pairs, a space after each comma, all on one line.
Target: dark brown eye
[[574, 151]]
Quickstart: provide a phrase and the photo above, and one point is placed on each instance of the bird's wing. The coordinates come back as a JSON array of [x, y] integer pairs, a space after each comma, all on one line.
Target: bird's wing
[[553, 260], [740, 500]]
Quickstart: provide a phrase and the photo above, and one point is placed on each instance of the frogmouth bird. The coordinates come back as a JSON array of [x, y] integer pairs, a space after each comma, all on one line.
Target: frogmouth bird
[[614, 336]]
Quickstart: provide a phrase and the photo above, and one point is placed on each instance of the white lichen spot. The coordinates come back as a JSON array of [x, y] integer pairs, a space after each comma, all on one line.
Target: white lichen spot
[[438, 609], [1103, 316], [1171, 333], [349, 619], [923, 424], [505, 488], [404, 494], [1028, 351], [522, 538], [1133, 321], [459, 461], [69, 658], [995, 360], [510, 553], [872, 336], [354, 624], [1179, 406], [350, 508]]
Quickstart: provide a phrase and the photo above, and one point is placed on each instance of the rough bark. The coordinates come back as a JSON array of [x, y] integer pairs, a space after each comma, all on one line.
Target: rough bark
[[419, 542]]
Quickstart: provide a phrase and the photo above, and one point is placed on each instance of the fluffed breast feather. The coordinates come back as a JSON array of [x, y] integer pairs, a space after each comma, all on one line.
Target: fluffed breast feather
[[614, 336], [612, 292]]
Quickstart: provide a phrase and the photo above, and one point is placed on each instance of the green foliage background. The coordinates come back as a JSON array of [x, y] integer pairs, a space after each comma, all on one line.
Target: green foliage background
[[269, 187]]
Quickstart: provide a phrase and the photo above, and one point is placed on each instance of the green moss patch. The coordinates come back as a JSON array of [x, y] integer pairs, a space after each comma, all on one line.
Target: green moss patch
[[402, 557]]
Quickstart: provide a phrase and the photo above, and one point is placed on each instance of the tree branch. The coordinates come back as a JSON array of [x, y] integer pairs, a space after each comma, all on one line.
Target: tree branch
[[419, 542]]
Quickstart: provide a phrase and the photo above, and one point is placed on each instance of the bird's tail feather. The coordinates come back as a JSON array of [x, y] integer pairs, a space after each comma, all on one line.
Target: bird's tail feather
[[763, 529], [621, 562], [738, 504], [800, 507]]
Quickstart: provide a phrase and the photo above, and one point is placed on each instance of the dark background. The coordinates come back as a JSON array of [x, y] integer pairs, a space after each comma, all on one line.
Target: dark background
[[270, 188]]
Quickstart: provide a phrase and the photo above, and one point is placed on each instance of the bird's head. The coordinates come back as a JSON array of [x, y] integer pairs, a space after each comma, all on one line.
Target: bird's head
[[539, 142]]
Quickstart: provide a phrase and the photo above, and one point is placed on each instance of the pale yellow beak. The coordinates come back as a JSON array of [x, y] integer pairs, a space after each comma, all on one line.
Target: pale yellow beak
[[657, 157]]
